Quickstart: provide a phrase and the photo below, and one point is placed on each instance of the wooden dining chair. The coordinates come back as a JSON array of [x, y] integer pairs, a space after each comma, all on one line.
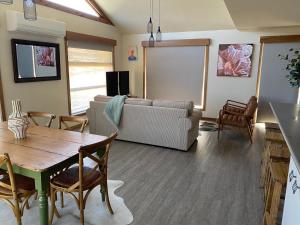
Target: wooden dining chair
[[66, 121], [15, 189], [46, 115], [81, 178]]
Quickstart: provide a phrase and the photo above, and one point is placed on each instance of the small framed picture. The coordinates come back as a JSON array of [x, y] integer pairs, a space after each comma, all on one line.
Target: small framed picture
[[235, 60], [132, 53]]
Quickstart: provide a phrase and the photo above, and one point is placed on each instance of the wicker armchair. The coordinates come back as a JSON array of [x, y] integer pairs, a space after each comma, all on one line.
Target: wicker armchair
[[234, 114]]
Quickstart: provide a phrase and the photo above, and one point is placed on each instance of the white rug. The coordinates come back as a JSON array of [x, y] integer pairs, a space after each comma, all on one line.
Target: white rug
[[96, 211]]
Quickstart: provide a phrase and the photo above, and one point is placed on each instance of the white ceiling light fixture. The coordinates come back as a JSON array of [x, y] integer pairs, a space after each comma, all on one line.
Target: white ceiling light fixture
[[29, 8], [78, 5]]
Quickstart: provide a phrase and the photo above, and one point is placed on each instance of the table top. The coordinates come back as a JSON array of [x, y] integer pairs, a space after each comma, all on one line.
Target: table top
[[44, 147], [288, 118]]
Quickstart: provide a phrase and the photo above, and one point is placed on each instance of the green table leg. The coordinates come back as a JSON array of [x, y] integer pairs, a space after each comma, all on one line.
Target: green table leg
[[42, 185]]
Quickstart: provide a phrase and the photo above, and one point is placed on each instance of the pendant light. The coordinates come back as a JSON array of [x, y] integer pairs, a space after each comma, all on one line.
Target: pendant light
[[150, 23], [158, 33], [29, 8], [6, 2], [151, 40]]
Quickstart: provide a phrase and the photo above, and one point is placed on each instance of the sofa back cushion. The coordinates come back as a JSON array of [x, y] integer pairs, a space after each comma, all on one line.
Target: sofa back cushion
[[102, 98], [138, 101], [189, 105]]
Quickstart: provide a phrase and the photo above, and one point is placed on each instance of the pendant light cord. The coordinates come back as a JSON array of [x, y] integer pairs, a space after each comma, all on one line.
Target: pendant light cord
[[158, 12]]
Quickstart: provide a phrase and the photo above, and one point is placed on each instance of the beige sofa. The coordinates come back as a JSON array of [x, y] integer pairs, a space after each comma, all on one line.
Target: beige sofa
[[172, 124]]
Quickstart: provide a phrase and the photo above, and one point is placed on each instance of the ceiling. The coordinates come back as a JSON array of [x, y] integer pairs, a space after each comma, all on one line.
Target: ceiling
[[131, 16], [249, 14]]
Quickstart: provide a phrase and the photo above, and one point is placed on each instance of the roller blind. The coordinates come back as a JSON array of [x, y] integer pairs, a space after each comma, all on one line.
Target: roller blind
[[274, 85], [88, 64], [175, 73]]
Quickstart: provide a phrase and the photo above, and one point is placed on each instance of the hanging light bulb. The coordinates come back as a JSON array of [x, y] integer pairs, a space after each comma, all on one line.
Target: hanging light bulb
[[158, 33], [150, 23], [6, 2], [151, 40], [29, 8]]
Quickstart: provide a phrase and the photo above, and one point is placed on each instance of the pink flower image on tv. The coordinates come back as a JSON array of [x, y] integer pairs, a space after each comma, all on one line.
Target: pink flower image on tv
[[234, 60], [45, 56]]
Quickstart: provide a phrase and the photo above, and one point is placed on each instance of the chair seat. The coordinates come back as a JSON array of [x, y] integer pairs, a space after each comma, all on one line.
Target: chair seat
[[23, 184], [69, 177], [234, 120]]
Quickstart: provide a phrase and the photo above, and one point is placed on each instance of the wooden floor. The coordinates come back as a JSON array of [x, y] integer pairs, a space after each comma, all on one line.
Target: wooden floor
[[212, 184]]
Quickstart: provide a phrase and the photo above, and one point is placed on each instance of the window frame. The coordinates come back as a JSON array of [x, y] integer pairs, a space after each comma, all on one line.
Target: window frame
[[88, 38], [103, 18]]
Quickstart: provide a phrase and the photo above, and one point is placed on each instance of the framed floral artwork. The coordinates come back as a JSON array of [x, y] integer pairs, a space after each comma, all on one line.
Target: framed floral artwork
[[235, 60]]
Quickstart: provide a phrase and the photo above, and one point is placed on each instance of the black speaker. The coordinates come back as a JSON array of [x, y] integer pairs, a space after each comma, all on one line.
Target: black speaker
[[117, 83], [124, 82], [112, 83]]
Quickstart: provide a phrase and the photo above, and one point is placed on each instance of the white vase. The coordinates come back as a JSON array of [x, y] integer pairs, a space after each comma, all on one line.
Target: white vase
[[18, 121]]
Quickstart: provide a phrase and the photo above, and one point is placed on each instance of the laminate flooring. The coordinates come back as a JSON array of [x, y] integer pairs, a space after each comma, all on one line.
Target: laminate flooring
[[214, 183]]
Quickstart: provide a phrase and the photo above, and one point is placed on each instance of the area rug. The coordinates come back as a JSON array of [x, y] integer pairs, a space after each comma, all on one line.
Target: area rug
[[210, 127], [96, 211]]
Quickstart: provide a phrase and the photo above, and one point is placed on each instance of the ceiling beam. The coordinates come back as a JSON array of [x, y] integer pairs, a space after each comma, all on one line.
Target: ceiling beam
[[102, 17]]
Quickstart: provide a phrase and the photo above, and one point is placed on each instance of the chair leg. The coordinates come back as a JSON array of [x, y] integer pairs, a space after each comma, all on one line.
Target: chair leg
[[219, 130], [102, 191], [53, 207], [107, 198], [81, 208], [250, 133], [62, 199], [17, 212]]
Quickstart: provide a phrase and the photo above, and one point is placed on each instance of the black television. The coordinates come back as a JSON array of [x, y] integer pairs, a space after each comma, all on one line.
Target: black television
[[117, 83]]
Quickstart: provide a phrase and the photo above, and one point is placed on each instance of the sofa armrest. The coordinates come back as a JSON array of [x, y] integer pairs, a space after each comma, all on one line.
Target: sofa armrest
[[190, 122]]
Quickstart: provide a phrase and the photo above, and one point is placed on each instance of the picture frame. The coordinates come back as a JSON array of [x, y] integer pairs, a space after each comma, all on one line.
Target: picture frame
[[235, 60], [132, 53], [35, 61]]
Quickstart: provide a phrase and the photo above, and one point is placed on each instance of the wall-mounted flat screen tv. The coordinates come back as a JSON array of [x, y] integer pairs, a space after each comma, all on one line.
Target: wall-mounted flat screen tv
[[35, 61]]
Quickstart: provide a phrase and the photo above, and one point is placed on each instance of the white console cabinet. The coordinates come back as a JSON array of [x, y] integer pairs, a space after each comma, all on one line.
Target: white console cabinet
[[291, 211]]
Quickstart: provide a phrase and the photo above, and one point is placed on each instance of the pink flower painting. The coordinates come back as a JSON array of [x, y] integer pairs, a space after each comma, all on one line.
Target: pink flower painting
[[234, 60]]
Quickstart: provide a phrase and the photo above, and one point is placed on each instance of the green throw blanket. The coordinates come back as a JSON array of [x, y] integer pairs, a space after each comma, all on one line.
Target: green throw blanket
[[113, 109]]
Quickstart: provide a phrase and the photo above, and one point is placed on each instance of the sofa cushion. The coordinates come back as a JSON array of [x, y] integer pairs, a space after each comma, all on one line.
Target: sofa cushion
[[138, 101], [189, 105], [102, 98]]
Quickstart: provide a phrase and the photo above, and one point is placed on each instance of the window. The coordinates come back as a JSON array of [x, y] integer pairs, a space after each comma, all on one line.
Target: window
[[84, 8], [79, 5], [87, 71]]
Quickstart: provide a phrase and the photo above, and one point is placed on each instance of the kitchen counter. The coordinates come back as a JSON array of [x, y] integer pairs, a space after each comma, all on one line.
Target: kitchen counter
[[288, 118]]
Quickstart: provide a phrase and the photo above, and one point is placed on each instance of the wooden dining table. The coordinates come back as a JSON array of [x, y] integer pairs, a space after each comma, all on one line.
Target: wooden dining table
[[43, 153]]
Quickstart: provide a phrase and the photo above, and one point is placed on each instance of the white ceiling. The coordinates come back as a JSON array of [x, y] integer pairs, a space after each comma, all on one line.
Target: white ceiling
[[131, 16], [249, 14]]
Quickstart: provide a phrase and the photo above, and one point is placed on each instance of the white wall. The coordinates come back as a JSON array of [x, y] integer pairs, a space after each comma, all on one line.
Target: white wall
[[219, 88], [48, 96]]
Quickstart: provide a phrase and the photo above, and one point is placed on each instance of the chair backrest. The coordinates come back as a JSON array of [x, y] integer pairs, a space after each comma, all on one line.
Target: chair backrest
[[251, 108], [252, 98], [100, 160], [5, 161], [46, 115], [81, 121]]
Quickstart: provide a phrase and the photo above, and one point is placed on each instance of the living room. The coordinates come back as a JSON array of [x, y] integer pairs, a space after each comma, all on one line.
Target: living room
[[205, 130]]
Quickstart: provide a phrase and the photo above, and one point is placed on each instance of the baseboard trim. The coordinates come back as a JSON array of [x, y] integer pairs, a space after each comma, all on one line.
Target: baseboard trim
[[209, 119]]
